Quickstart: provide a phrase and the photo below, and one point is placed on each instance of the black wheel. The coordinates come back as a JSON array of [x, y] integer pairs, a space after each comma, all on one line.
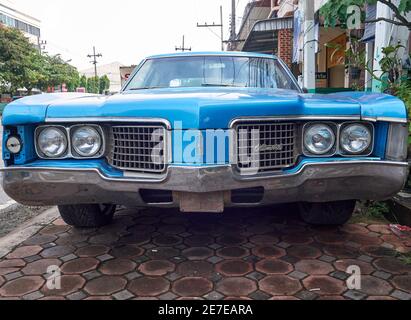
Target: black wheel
[[87, 215], [329, 213]]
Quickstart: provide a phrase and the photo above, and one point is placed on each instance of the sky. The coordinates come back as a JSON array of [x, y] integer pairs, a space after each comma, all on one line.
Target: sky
[[127, 30]]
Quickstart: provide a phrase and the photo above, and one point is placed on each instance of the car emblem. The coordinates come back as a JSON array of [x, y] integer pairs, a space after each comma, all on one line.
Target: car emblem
[[265, 148]]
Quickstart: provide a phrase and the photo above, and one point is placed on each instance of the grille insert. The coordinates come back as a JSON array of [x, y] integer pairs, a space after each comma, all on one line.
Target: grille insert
[[273, 145], [138, 148]]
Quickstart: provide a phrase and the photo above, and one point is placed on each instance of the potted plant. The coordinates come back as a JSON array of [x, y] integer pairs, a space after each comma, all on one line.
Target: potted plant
[[353, 57]]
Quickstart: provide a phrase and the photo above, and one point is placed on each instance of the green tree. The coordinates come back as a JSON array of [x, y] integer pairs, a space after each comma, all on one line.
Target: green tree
[[83, 81], [93, 85], [336, 12], [104, 84], [22, 65]]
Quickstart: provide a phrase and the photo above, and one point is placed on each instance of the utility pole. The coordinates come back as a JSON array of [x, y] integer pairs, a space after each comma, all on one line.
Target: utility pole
[[309, 64], [214, 25], [95, 56], [42, 46], [183, 48], [233, 24]]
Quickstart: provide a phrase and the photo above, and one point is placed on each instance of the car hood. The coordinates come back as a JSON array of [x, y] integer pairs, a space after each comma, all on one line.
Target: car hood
[[200, 108]]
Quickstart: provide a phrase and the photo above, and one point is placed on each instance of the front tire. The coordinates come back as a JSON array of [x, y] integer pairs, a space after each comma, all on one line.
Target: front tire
[[87, 215], [329, 213]]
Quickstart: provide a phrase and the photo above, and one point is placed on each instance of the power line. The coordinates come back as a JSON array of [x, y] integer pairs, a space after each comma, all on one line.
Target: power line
[[95, 56], [183, 48], [214, 25]]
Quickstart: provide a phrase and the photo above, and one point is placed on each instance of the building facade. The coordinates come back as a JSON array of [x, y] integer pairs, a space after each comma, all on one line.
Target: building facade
[[14, 18], [294, 31]]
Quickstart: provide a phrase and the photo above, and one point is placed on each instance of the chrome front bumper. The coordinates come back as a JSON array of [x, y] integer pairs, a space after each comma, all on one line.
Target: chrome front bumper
[[313, 182]]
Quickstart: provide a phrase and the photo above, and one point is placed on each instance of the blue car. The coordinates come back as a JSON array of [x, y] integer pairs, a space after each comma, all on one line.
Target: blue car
[[203, 132]]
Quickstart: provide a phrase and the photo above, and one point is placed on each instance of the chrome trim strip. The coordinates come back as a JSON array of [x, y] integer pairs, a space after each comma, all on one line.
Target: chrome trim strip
[[319, 117], [385, 119], [242, 178], [233, 122], [110, 119]]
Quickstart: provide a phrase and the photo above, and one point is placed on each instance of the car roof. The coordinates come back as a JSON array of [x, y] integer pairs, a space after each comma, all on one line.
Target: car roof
[[215, 53]]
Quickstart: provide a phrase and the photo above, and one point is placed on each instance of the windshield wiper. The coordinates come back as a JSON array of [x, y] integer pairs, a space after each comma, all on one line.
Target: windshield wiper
[[146, 88], [217, 85]]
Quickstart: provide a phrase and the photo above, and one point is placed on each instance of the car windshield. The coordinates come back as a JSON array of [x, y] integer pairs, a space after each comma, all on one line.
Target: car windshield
[[210, 71]]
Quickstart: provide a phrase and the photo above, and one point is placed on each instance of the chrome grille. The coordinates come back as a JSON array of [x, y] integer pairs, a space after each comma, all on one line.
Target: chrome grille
[[275, 146], [138, 148]]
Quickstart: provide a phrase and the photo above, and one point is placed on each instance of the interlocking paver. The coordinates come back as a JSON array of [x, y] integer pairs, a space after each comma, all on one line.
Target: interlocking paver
[[392, 265], [402, 282], [273, 266], [162, 254], [195, 269], [280, 285], [105, 285], [401, 295], [80, 265], [192, 287], [236, 287], [382, 275], [233, 252], [298, 275], [344, 264], [214, 295], [92, 251], [355, 295], [197, 253], [123, 295], [373, 286], [24, 252], [40, 267], [68, 284], [156, 267], [117, 266], [306, 295], [234, 268], [77, 296], [314, 267], [304, 252], [13, 275], [149, 286], [21, 286], [57, 251], [327, 285], [268, 252]]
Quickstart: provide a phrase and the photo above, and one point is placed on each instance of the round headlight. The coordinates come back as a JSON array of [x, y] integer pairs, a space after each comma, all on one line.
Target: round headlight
[[319, 139], [52, 142], [86, 141], [355, 138]]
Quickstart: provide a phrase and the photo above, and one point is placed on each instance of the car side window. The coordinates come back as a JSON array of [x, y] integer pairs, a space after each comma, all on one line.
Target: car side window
[[282, 78]]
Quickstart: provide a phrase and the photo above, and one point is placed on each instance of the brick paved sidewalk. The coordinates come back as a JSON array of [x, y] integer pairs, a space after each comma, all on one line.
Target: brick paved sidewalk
[[264, 253]]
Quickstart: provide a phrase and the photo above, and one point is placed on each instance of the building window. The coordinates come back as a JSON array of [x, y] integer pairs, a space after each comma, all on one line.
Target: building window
[[11, 22]]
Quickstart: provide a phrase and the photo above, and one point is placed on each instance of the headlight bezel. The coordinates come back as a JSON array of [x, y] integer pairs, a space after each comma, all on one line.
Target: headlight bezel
[[70, 153], [332, 151], [40, 152], [75, 154], [338, 149], [366, 152]]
